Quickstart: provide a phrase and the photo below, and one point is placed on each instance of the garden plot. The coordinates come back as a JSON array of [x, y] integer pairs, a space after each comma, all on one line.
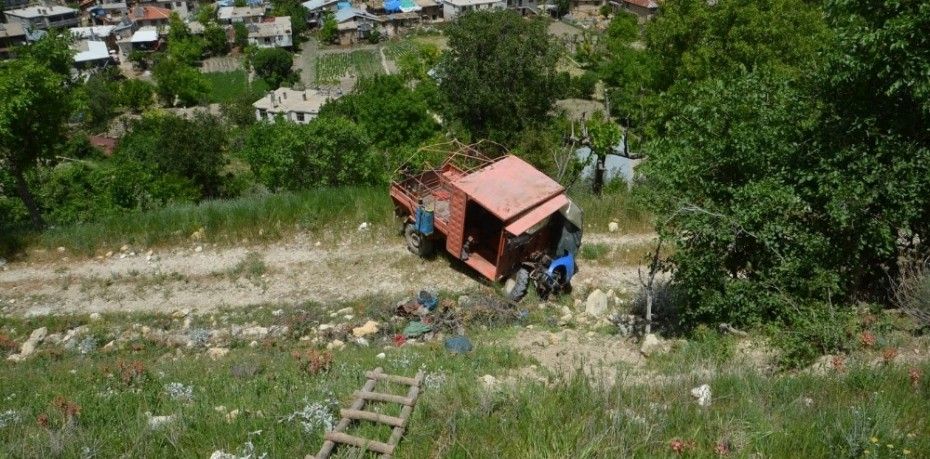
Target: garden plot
[[332, 67]]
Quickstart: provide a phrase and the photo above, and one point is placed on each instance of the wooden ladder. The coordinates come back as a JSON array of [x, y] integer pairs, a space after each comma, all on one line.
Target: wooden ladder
[[355, 412]]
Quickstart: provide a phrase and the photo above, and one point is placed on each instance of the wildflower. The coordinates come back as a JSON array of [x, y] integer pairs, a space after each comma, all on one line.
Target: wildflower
[[914, 374], [839, 363], [434, 380], [722, 448], [42, 420], [867, 339], [680, 446], [873, 439], [889, 354], [316, 415]]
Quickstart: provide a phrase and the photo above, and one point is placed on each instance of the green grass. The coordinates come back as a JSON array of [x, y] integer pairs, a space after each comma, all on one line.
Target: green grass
[[395, 49], [330, 67], [840, 414], [229, 86], [257, 218], [616, 206]]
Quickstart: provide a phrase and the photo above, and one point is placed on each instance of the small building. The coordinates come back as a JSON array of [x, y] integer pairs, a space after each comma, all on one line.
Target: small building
[[244, 14], [43, 17], [272, 33], [645, 9], [524, 7], [355, 25], [452, 8], [91, 53], [149, 16], [430, 10], [175, 6], [290, 104], [316, 9], [144, 39], [108, 13], [11, 35]]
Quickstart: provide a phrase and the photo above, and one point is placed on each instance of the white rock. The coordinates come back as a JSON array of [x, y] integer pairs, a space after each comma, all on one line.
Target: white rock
[[61, 250], [253, 344], [361, 342], [596, 305], [198, 249], [652, 345], [335, 345], [702, 394], [95, 316], [232, 415], [324, 327], [343, 311], [156, 422], [364, 226], [277, 312], [255, 332], [381, 356], [220, 454], [180, 313], [370, 328], [489, 381], [216, 353], [124, 248], [613, 227], [29, 346]]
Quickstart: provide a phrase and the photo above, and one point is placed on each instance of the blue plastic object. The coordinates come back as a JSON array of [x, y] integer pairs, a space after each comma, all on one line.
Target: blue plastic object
[[458, 344], [423, 220], [427, 300], [567, 262]]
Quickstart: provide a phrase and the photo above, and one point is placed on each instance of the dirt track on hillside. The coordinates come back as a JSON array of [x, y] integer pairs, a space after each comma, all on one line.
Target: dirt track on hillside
[[293, 270]]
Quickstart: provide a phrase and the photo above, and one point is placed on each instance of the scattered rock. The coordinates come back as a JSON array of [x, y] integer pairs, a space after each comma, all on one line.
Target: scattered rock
[[343, 312], [490, 382], [613, 227], [180, 313], [220, 454], [381, 356], [652, 345], [370, 328], [596, 305], [232, 415], [29, 347], [198, 235], [335, 345], [109, 254], [702, 394], [95, 316], [361, 342], [364, 226], [253, 344], [198, 249], [277, 312], [156, 422], [216, 353], [255, 332], [324, 327], [61, 250], [124, 248]]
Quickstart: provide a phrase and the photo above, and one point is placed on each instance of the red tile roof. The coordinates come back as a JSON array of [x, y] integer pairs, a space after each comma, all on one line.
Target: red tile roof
[[148, 13]]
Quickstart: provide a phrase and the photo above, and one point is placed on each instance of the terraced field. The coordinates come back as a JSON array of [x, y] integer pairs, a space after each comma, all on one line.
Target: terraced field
[[331, 67]]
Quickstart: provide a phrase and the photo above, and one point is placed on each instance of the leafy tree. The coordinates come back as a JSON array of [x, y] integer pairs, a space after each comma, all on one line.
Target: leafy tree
[[296, 11], [696, 39], [273, 65], [388, 110], [498, 76], [206, 14], [215, 39], [416, 65], [136, 95], [329, 31], [182, 45], [34, 104], [242, 35], [192, 149], [179, 82], [52, 51], [328, 151], [99, 97]]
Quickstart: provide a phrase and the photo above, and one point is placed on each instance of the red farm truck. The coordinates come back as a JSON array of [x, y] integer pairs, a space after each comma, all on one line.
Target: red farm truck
[[502, 217]]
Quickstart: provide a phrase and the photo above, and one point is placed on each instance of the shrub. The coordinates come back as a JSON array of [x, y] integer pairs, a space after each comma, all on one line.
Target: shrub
[[273, 65], [912, 293]]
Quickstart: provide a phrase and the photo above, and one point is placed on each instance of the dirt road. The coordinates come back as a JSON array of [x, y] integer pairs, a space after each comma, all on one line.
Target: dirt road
[[295, 270]]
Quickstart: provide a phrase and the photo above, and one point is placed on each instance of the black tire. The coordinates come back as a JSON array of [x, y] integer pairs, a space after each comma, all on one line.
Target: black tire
[[417, 243], [521, 284]]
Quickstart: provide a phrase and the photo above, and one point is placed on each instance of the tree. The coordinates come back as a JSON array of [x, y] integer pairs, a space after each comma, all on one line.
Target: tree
[[192, 149], [34, 104], [242, 35], [179, 82], [296, 11], [215, 39], [329, 31], [499, 75], [136, 95], [182, 45], [273, 65], [206, 14], [99, 97], [388, 110], [329, 151]]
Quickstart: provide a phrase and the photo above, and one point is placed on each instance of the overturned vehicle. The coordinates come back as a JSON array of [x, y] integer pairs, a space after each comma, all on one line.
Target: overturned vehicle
[[502, 217]]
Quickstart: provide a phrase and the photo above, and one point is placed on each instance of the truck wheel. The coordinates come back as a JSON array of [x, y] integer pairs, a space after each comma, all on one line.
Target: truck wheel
[[416, 242], [515, 288]]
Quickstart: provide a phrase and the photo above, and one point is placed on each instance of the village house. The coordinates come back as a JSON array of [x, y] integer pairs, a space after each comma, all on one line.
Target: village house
[[430, 10], [13, 4], [355, 25], [244, 14], [645, 9], [43, 17], [272, 33], [145, 39], [290, 105], [108, 13], [11, 35], [91, 53], [452, 8], [149, 16], [175, 6], [316, 9], [524, 7]]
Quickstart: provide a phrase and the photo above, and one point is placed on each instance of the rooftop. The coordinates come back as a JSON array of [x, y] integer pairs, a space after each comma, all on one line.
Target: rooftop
[[40, 11], [317, 4], [348, 14], [279, 25], [651, 4], [12, 30], [232, 12], [92, 32], [145, 35], [284, 100], [508, 187], [90, 51], [149, 13], [471, 2]]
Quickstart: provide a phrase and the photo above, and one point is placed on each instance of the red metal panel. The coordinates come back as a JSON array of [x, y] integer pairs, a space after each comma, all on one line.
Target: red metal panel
[[508, 187], [456, 226], [535, 215]]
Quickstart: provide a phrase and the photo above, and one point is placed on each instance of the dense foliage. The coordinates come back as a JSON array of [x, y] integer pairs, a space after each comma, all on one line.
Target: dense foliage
[[273, 65]]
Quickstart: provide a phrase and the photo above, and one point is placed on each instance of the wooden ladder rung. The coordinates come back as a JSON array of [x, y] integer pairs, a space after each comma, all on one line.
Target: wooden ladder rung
[[392, 378], [372, 445], [374, 417], [381, 397]]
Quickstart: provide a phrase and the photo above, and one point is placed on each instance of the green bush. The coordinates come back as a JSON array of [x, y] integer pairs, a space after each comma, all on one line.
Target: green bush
[[273, 65]]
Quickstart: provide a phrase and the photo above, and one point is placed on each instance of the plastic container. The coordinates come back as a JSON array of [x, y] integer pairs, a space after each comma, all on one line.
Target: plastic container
[[423, 220]]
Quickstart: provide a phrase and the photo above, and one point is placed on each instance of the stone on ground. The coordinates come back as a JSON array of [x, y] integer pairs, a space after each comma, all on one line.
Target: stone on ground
[[370, 328], [702, 394], [596, 306], [652, 345], [29, 347]]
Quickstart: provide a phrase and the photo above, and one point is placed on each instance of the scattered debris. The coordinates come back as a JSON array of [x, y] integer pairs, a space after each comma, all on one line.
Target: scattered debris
[[702, 394], [179, 392], [458, 345], [156, 422], [335, 345], [416, 329], [363, 226], [370, 328]]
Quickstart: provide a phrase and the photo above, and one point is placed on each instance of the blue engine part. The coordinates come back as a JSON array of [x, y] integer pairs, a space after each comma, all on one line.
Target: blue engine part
[[423, 221], [567, 262]]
